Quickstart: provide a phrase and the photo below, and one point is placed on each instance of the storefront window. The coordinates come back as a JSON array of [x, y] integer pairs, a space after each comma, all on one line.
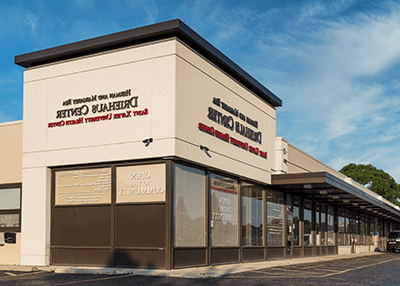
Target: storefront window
[[347, 219], [353, 224], [372, 226], [10, 209], [224, 211], [318, 223], [308, 241], [189, 207], [275, 211], [352, 228], [296, 221], [252, 215], [342, 226], [330, 226], [361, 229], [380, 228], [323, 225]]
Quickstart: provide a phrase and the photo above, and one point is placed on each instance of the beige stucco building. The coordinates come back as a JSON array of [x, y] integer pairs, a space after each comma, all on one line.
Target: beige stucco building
[[150, 148]]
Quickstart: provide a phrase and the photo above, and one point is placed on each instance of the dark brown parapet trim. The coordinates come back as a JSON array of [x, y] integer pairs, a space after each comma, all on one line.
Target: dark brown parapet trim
[[172, 28]]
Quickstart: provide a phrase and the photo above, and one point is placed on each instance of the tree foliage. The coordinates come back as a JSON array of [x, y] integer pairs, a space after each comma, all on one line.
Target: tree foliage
[[374, 179]]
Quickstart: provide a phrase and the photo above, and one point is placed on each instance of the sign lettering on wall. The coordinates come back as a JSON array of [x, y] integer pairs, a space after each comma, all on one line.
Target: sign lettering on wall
[[98, 107], [142, 183], [235, 121], [86, 186]]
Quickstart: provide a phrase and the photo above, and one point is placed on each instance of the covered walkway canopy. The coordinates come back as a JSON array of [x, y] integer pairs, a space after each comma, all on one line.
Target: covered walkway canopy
[[329, 189]]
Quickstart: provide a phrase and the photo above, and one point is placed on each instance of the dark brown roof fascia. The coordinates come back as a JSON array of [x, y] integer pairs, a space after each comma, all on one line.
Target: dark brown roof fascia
[[145, 34], [298, 178]]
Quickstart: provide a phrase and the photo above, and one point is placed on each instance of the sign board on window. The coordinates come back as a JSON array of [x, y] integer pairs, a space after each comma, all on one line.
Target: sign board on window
[[85, 186], [142, 183]]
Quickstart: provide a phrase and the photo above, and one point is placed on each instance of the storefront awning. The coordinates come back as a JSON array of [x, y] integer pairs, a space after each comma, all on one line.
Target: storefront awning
[[329, 189]]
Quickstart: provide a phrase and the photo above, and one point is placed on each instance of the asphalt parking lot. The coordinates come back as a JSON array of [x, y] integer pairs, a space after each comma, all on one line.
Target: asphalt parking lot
[[381, 269]]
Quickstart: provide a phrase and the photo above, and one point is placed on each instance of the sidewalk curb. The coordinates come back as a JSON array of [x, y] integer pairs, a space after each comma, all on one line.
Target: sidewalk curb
[[195, 272]]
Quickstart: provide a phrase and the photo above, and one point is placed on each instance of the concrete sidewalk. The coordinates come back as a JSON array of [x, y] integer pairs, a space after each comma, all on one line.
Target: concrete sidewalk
[[195, 272]]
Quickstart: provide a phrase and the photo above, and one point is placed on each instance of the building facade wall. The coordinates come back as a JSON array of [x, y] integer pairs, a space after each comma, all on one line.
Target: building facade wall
[[52, 138], [11, 173], [199, 85], [166, 91], [301, 162], [11, 152]]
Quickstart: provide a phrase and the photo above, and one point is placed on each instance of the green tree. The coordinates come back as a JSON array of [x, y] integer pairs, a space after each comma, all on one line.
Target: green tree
[[374, 179]]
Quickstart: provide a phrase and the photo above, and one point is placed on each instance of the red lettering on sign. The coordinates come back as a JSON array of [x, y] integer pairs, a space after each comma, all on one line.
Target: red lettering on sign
[[223, 136], [238, 143], [253, 150], [223, 189], [205, 128], [263, 154]]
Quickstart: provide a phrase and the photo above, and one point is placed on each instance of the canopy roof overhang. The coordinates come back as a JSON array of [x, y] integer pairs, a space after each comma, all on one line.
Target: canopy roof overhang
[[328, 189]]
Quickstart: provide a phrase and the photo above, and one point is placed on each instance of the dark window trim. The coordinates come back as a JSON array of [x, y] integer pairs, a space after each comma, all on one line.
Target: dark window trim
[[13, 211]]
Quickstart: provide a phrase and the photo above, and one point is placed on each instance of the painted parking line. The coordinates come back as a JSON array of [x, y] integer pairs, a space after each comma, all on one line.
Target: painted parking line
[[13, 275], [315, 272], [360, 267], [93, 280]]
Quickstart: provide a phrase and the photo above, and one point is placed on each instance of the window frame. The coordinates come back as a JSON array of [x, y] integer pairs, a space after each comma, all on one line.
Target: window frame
[[12, 211]]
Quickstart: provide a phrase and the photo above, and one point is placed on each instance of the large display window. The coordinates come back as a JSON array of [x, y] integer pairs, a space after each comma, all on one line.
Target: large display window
[[189, 207], [308, 239], [318, 224], [110, 215], [252, 215], [275, 218], [323, 225], [330, 226], [224, 211], [296, 221], [342, 226]]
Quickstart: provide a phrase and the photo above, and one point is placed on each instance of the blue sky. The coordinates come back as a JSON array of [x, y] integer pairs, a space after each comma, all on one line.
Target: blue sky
[[334, 64]]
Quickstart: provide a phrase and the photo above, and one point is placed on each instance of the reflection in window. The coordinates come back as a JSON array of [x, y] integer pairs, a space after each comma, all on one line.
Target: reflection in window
[[380, 228], [275, 211], [189, 207], [10, 199], [252, 215], [330, 226], [308, 241], [352, 223], [296, 220], [318, 223], [342, 227], [10, 208], [9, 220], [323, 224], [224, 211]]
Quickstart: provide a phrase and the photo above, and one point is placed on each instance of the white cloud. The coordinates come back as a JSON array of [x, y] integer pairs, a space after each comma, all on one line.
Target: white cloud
[[149, 6], [311, 10], [333, 69], [17, 19]]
